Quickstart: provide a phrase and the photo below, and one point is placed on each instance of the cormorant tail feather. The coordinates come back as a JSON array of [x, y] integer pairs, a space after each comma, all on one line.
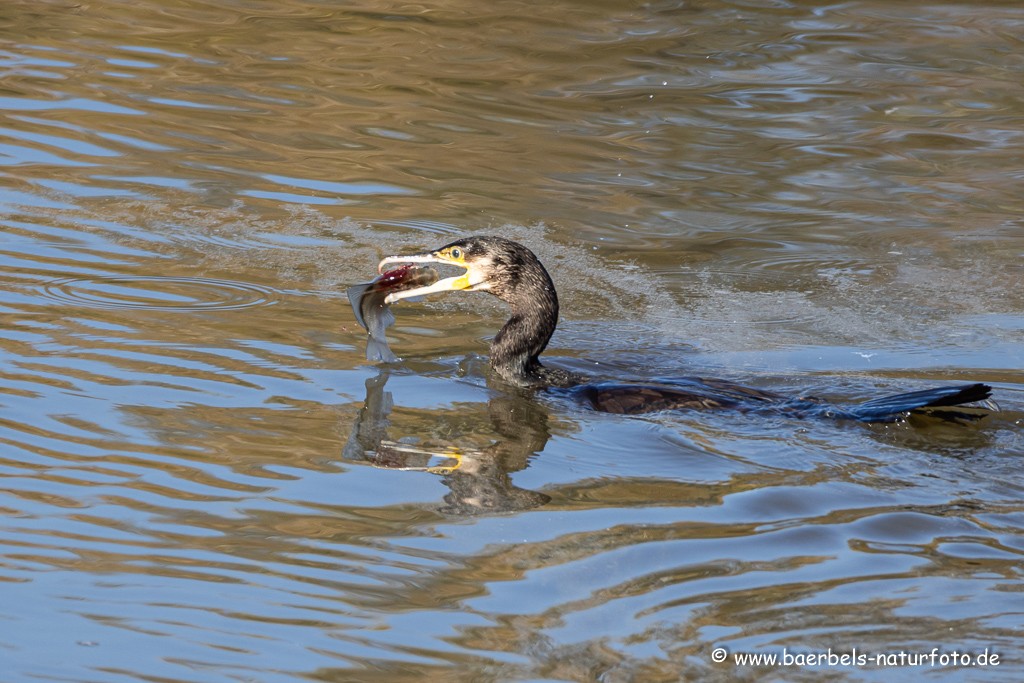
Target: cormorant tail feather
[[890, 407]]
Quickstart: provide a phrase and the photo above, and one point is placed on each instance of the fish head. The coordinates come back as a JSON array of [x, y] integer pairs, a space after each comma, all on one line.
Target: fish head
[[468, 253]]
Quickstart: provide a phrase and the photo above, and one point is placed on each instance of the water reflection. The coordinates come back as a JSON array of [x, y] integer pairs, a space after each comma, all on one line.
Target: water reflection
[[479, 479]]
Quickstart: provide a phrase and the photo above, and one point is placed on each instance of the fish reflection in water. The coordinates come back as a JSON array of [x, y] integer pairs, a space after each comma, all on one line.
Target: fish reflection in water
[[479, 479], [375, 315]]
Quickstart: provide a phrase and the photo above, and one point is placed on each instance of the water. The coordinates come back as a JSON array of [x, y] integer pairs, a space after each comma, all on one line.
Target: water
[[204, 480]]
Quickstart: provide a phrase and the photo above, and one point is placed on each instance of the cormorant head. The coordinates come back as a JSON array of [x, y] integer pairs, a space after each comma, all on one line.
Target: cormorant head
[[493, 264], [511, 272]]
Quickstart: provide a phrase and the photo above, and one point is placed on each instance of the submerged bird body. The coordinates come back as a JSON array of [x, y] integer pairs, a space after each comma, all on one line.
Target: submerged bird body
[[511, 272], [632, 399]]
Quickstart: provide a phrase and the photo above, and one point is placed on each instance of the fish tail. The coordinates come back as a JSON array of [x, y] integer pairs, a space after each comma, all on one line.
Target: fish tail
[[379, 352]]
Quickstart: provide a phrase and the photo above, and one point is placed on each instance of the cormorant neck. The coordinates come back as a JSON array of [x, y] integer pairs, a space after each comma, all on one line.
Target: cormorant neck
[[514, 350], [516, 347]]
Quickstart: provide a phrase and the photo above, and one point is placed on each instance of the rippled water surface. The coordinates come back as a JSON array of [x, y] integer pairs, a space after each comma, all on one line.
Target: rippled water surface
[[204, 480]]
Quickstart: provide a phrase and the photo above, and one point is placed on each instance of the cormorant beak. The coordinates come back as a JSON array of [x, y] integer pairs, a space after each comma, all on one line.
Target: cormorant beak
[[448, 284]]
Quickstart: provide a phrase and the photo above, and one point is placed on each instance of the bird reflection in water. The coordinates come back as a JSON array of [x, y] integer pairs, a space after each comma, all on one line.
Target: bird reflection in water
[[479, 479]]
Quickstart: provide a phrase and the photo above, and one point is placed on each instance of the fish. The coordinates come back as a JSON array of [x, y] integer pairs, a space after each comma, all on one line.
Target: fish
[[374, 313]]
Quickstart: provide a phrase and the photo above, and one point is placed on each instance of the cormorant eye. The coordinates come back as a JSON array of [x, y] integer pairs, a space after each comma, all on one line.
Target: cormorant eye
[[456, 253]]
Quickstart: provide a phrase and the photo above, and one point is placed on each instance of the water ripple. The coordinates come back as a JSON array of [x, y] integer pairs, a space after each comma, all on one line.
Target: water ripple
[[201, 478], [159, 293]]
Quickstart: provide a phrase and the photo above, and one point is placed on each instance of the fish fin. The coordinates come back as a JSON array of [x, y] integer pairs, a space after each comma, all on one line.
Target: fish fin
[[355, 295], [387, 318]]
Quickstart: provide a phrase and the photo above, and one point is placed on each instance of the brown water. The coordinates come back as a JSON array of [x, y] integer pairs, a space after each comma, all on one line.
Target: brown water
[[201, 471]]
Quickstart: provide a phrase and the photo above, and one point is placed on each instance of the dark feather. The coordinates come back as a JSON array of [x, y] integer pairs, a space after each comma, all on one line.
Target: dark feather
[[888, 407]]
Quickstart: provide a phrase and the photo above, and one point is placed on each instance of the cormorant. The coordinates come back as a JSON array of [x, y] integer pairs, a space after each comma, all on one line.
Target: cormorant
[[511, 272]]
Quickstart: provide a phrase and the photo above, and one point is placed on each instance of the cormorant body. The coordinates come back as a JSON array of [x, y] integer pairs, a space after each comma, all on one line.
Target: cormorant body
[[511, 272]]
